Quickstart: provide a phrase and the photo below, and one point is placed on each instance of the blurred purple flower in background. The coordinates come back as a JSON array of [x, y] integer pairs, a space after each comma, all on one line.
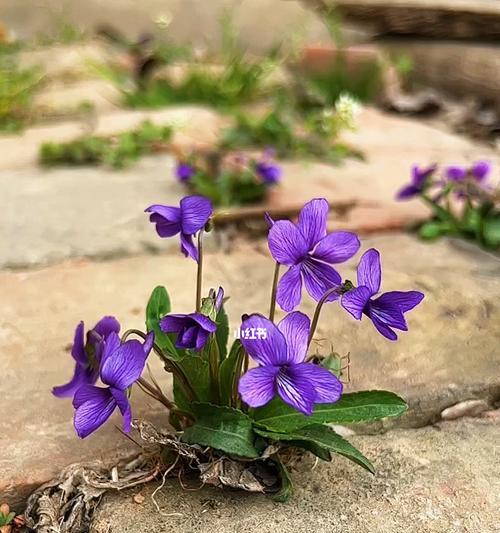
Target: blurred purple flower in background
[[418, 182], [386, 311], [455, 173], [267, 168], [121, 366], [184, 171], [478, 171], [188, 219], [309, 251], [281, 353], [86, 370]]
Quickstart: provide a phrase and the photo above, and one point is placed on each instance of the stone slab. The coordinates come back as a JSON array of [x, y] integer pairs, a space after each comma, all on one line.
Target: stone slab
[[460, 69], [260, 23], [68, 101], [65, 62], [452, 19], [95, 212], [450, 353], [192, 124], [432, 480]]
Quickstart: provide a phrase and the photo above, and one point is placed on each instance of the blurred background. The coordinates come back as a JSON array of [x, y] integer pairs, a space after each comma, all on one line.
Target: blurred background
[[109, 106]]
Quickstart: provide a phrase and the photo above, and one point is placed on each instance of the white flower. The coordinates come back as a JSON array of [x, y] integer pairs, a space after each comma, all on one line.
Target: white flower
[[347, 108]]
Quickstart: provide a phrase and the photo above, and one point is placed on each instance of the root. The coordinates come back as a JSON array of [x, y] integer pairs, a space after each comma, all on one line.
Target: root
[[67, 504]]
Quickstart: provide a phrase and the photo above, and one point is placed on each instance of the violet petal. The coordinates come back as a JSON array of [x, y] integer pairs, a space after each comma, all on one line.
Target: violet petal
[[94, 405], [295, 328], [270, 348], [312, 221], [290, 289], [327, 386], [370, 270], [258, 386], [286, 243], [337, 247]]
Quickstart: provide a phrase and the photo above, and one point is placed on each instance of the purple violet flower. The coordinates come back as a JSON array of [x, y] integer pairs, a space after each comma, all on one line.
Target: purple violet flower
[[121, 366], [480, 170], [456, 173], [418, 182], [267, 169], [309, 251], [193, 329], [184, 171], [386, 311], [280, 351], [188, 219], [86, 371]]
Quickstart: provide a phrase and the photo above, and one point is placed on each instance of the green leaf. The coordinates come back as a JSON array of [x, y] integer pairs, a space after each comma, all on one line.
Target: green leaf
[[491, 231], [316, 449], [228, 371], [324, 438], [159, 306], [286, 490], [197, 370], [222, 332], [433, 229], [6, 519], [352, 407], [471, 220], [223, 428]]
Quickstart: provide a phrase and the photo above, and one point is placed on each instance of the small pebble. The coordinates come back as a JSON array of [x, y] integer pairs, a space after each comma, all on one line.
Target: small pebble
[[343, 431], [466, 408], [139, 498], [493, 415]]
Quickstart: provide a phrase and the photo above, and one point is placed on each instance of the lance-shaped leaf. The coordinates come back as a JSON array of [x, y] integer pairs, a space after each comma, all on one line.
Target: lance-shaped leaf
[[222, 332], [197, 371], [491, 231], [352, 407], [229, 372], [323, 438], [159, 306], [222, 428]]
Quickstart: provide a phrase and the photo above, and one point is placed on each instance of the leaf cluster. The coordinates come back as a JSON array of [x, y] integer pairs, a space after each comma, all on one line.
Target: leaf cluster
[[17, 87], [116, 151], [290, 134], [474, 215], [211, 414]]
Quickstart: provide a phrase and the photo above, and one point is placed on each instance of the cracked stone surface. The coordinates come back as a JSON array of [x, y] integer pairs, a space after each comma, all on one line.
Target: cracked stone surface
[[432, 480], [98, 213], [449, 355]]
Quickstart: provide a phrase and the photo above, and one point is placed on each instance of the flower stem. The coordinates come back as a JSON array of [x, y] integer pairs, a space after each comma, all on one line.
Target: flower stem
[[199, 274], [317, 312], [443, 214], [274, 290], [156, 393]]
